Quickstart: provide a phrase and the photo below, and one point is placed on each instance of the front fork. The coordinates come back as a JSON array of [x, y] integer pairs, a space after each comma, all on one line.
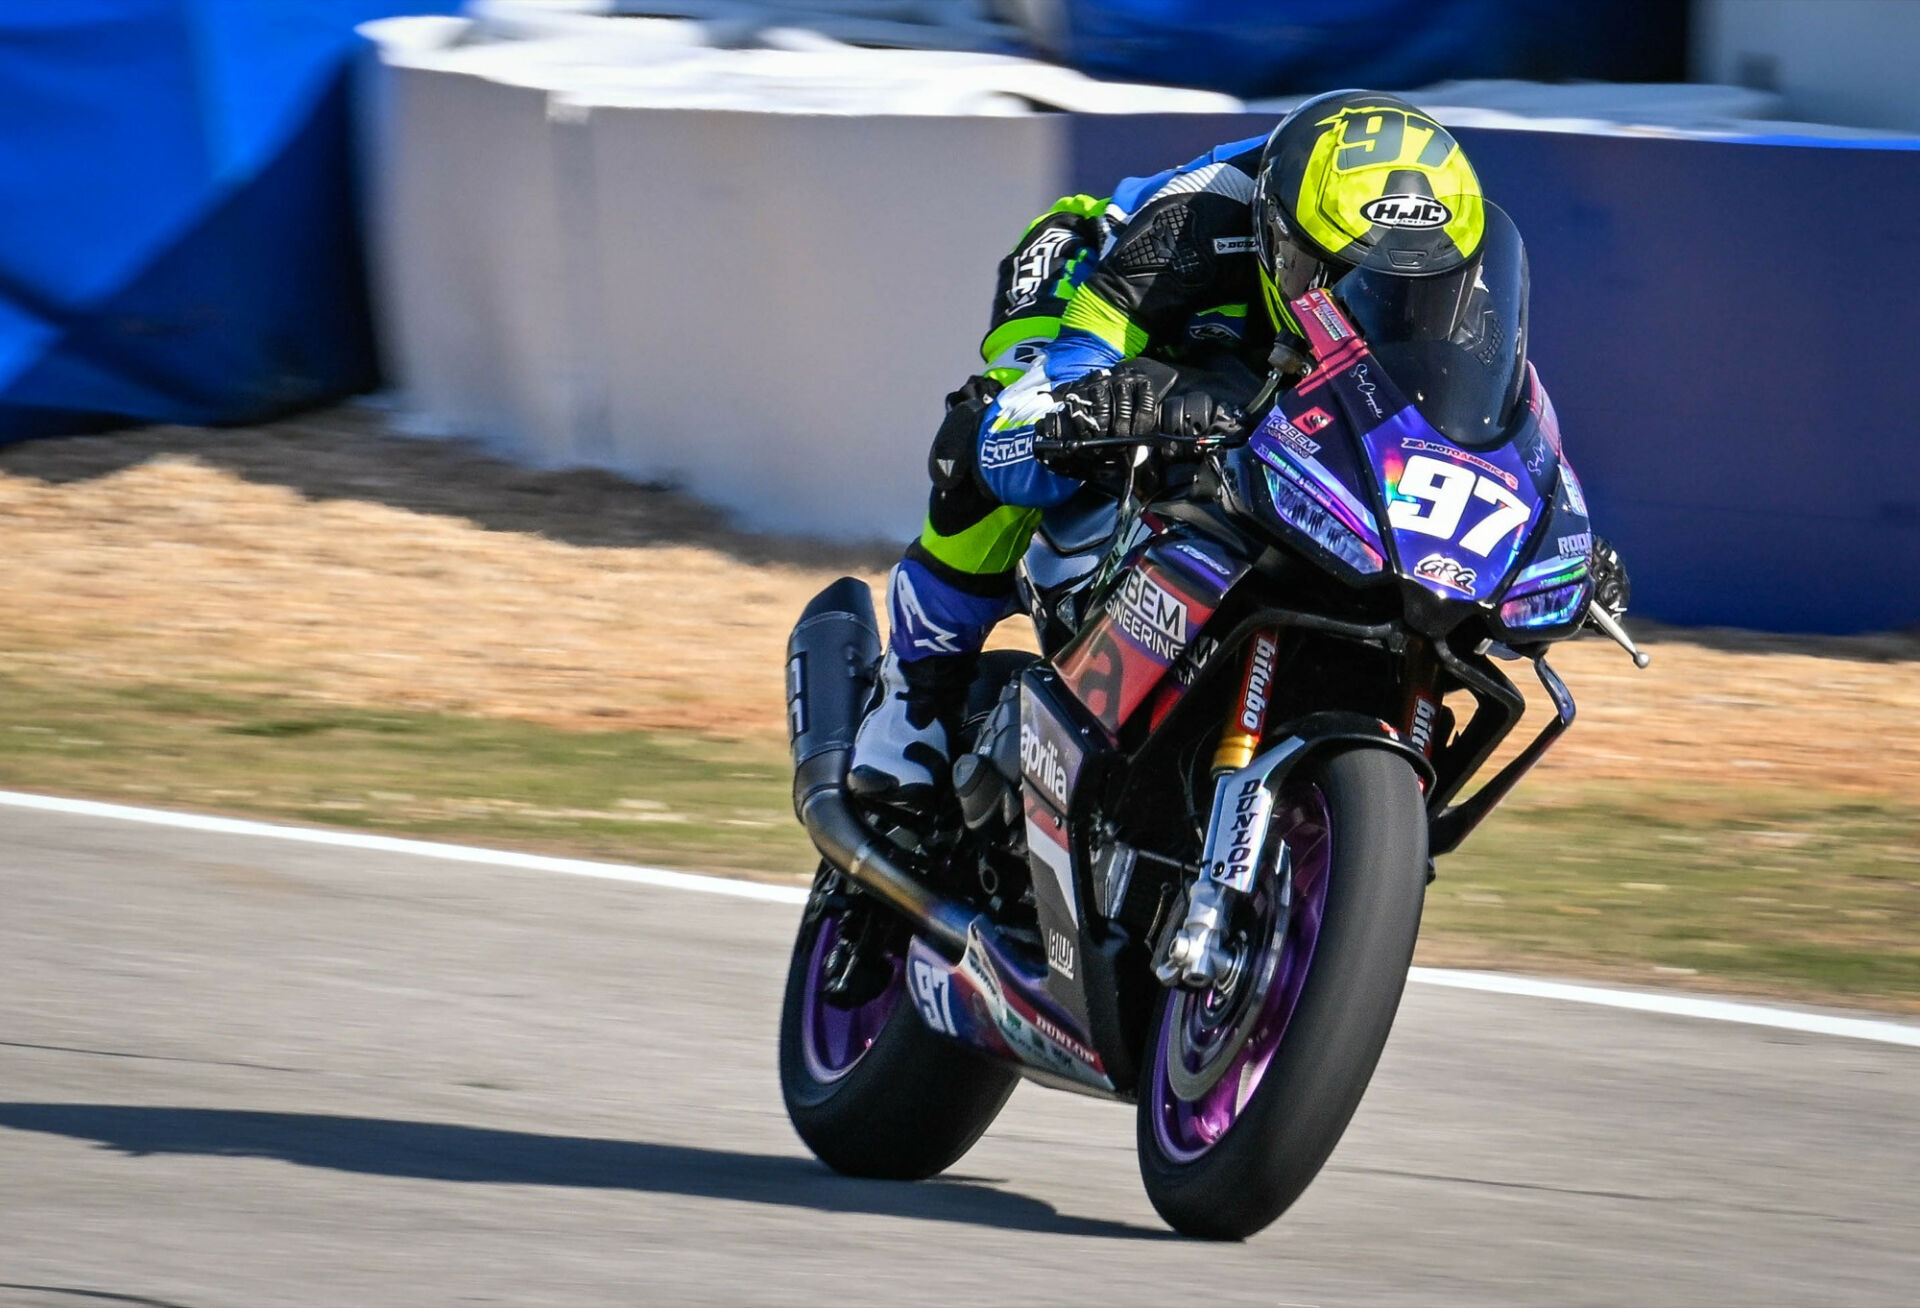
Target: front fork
[[1197, 955]]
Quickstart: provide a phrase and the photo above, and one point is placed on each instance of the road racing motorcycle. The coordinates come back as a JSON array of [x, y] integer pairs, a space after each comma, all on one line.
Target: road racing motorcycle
[[1185, 851]]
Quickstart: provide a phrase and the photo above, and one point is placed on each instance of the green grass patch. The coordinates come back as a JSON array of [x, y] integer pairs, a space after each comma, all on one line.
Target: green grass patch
[[1773, 890], [690, 801], [1782, 892]]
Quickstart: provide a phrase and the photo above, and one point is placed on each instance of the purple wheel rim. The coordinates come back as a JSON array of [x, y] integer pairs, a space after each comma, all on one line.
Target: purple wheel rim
[[1187, 1129], [834, 1039]]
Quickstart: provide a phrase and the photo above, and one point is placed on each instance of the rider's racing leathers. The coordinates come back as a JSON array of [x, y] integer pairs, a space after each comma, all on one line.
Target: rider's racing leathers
[[1165, 267]]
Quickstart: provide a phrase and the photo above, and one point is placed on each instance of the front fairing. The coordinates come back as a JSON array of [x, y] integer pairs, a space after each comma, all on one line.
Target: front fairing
[[1356, 478]]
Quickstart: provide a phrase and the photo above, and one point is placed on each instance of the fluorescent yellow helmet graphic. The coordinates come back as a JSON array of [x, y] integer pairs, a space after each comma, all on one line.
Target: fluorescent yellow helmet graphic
[[1356, 177]]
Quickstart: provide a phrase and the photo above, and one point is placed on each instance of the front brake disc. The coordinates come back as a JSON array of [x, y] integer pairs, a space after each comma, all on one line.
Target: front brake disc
[[1204, 1044]]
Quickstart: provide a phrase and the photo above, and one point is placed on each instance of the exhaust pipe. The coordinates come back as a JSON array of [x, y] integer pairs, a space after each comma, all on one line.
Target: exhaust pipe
[[830, 660]]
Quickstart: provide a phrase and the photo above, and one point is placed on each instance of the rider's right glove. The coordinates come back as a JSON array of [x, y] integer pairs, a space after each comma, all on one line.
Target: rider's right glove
[[1197, 413], [1611, 590]]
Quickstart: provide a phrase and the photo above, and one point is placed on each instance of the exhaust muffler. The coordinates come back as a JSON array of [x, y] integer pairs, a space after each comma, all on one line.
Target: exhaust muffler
[[831, 658]]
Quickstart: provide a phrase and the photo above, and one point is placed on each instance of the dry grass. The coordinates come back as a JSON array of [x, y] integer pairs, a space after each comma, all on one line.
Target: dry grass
[[326, 559]]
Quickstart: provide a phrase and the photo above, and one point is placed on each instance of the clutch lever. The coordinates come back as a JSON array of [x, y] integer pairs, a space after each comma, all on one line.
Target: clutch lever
[[1610, 625]]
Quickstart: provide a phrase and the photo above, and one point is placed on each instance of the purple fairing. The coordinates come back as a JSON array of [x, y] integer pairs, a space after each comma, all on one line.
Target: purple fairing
[[1457, 520], [1323, 466], [832, 1039], [1457, 517], [999, 1006], [1184, 1129]]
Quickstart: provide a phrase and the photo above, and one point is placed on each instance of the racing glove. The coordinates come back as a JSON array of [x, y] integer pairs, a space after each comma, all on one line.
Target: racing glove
[[1197, 413], [1109, 402], [1611, 590]]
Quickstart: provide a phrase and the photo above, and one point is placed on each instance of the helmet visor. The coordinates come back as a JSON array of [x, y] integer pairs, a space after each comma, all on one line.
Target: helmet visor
[[1455, 343]]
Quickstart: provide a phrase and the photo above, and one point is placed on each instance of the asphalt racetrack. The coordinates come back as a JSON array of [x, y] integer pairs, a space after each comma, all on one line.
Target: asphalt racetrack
[[239, 1072]]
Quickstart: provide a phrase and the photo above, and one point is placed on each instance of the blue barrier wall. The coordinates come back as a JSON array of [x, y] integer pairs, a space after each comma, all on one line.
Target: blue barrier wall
[[178, 236], [1253, 48], [1727, 329]]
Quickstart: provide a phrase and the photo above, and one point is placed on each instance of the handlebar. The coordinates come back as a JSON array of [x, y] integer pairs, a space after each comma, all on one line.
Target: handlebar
[[1202, 444]]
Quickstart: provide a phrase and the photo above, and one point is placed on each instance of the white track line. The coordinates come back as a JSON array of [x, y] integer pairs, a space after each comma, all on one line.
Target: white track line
[[573, 867], [1643, 1001]]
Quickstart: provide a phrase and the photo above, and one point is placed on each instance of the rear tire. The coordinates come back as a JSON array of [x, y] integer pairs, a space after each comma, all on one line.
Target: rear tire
[[904, 1109], [1303, 1095]]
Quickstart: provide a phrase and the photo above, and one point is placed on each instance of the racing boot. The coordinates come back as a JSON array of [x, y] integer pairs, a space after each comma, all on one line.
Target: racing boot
[[901, 753]]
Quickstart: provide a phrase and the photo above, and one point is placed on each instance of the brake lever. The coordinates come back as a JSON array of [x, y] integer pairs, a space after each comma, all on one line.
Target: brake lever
[[1610, 625]]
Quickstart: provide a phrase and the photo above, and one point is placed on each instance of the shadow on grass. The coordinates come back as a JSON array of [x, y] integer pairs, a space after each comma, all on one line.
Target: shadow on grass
[[435, 1151]]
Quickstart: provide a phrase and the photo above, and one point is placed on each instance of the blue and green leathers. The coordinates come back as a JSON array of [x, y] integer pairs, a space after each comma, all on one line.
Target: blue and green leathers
[[1164, 266]]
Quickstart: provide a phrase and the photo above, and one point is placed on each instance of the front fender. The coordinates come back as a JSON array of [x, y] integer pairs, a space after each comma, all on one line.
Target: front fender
[[1243, 800]]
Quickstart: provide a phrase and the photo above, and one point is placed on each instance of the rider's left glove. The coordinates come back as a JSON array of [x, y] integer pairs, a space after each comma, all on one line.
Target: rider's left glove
[[1611, 590]]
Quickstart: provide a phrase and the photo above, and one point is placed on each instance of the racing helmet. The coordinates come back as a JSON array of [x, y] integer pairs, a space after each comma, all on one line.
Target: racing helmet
[[1353, 177]]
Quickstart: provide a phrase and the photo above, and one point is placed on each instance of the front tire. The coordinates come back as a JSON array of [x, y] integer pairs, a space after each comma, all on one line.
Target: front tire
[[1227, 1162], [871, 1090]]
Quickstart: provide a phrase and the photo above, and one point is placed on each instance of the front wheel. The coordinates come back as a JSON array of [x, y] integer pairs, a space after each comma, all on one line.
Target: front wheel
[[1224, 1150], [869, 1088]]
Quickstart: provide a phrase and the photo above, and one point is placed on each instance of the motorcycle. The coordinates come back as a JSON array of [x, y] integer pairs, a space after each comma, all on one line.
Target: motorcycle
[[1186, 848]]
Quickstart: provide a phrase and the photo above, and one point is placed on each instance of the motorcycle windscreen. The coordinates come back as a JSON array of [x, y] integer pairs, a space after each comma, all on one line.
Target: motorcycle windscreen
[[1456, 343]]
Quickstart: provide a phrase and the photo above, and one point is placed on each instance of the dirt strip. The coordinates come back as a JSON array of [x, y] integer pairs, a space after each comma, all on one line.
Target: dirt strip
[[328, 558]]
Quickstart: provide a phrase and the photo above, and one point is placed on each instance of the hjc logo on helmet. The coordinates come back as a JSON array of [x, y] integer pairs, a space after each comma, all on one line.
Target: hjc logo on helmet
[[1418, 211]]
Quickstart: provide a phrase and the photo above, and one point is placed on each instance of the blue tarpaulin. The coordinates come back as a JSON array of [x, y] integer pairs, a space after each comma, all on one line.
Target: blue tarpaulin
[[178, 237], [1282, 47]]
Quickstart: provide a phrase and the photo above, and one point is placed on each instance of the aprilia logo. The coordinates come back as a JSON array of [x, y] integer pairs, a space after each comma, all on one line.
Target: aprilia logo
[[1041, 759]]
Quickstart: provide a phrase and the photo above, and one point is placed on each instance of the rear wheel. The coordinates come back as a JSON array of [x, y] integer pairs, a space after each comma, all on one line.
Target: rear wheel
[[869, 1088], [1243, 1095]]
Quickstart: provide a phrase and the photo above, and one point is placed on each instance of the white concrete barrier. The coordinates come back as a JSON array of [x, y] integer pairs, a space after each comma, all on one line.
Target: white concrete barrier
[[723, 251], [785, 298], [592, 248]]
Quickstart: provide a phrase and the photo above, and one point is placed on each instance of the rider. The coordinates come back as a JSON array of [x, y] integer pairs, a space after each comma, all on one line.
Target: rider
[[1199, 259]]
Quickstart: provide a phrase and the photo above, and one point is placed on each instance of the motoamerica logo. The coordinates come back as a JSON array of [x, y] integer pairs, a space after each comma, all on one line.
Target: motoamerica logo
[[1041, 759], [1447, 572], [1150, 615]]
